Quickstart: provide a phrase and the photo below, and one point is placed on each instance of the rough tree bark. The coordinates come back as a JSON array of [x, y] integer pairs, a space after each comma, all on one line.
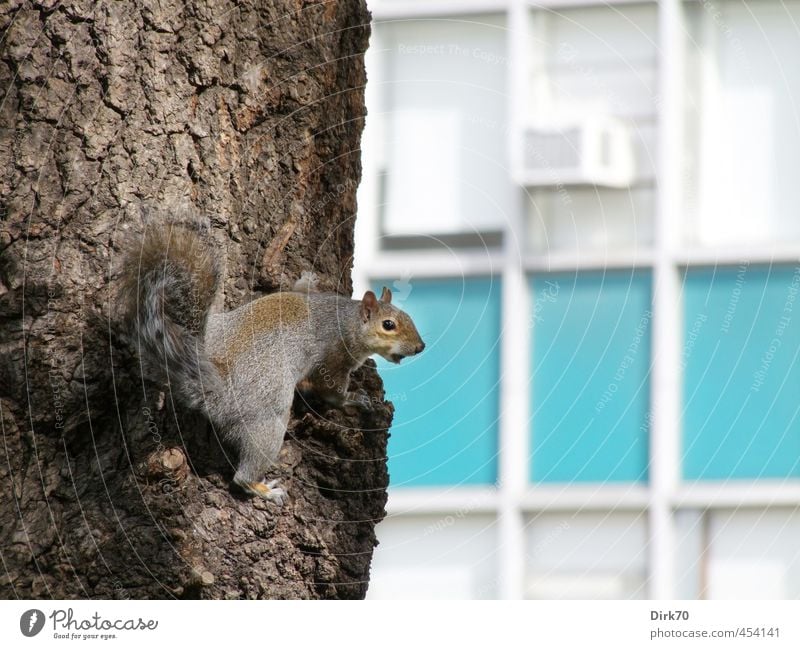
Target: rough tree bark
[[249, 113]]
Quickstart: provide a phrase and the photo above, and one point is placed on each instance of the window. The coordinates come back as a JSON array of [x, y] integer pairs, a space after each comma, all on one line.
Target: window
[[742, 375], [586, 62], [445, 423], [444, 127], [587, 219], [591, 359], [738, 553], [444, 557], [748, 123]]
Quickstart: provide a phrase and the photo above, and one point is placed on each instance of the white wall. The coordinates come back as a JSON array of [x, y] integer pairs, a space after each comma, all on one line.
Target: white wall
[[587, 61], [586, 556], [452, 556], [753, 554]]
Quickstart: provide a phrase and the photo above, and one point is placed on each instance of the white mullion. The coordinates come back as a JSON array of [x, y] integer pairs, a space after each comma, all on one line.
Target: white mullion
[[400, 9], [583, 498], [367, 226], [709, 111], [412, 9], [761, 493], [514, 396], [633, 260], [435, 264], [665, 382], [457, 500], [514, 392], [735, 255], [574, 4]]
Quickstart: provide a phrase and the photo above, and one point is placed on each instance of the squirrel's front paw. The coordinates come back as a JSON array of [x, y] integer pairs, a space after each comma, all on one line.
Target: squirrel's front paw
[[268, 491]]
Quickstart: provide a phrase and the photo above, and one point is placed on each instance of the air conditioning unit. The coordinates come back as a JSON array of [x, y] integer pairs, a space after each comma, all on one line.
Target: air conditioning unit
[[591, 151]]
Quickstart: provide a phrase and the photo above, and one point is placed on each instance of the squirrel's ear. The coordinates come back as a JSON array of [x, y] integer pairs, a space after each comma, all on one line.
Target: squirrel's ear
[[369, 303], [386, 296]]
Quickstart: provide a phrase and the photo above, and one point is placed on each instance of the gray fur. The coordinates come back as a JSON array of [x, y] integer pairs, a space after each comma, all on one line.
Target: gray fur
[[169, 281], [261, 395]]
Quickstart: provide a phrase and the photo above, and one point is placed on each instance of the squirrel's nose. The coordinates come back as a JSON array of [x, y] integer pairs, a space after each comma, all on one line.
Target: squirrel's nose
[[419, 348]]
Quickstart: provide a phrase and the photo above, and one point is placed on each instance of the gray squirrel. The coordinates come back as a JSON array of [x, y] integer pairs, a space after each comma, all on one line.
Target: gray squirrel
[[241, 368]]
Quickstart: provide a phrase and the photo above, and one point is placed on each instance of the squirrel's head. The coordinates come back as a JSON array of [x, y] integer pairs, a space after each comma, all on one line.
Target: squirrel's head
[[390, 331]]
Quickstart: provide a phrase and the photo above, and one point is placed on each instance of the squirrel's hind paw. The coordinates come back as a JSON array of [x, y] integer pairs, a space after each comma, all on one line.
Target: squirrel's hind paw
[[268, 491]]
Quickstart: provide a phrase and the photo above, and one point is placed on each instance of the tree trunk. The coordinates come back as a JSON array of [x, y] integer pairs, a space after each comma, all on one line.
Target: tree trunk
[[248, 113]]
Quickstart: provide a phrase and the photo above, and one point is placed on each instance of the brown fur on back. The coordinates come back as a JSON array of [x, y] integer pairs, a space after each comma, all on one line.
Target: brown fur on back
[[265, 314]]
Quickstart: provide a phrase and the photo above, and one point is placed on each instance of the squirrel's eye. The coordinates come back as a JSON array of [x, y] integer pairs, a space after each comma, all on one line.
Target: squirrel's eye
[[388, 325]]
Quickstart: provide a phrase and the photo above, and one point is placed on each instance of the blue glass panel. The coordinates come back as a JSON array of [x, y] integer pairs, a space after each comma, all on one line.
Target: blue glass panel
[[591, 363], [742, 379], [447, 398]]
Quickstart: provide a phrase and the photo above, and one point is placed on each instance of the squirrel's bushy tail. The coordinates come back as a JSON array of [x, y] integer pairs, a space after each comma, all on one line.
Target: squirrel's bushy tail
[[170, 280]]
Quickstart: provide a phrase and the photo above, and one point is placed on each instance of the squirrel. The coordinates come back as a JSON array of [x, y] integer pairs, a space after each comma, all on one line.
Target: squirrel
[[241, 367]]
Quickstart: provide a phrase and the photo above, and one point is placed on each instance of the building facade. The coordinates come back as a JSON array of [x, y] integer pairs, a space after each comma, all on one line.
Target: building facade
[[591, 211]]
